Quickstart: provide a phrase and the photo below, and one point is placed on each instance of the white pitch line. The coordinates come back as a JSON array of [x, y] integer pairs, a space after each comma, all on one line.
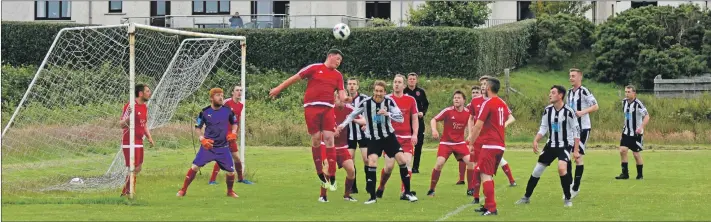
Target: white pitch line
[[461, 208]]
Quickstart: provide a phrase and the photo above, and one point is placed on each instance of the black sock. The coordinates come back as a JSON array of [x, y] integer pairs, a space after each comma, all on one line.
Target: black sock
[[565, 184], [625, 171], [370, 181], [322, 177], [578, 176], [405, 177], [333, 179], [639, 170], [365, 170], [355, 185], [532, 182]]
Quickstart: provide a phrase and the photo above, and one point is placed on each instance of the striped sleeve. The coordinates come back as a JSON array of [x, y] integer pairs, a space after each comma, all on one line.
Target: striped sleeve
[[573, 123], [395, 113], [442, 114], [543, 129], [641, 108]]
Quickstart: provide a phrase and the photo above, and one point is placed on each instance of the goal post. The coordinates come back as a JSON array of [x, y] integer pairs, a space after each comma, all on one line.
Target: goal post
[[67, 117]]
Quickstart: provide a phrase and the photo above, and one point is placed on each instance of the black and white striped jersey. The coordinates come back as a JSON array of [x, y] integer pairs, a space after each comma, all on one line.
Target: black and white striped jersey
[[634, 115], [580, 99], [354, 131], [560, 125], [377, 126]]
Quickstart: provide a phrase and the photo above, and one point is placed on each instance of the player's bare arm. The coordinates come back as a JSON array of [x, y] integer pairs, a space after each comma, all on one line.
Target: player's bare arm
[[149, 137], [590, 109], [288, 82], [535, 142], [470, 126], [343, 96], [510, 119], [475, 132], [415, 127], [433, 125], [644, 124]]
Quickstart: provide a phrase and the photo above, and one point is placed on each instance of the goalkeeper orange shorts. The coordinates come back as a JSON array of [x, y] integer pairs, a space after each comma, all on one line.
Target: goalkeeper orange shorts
[[138, 155]]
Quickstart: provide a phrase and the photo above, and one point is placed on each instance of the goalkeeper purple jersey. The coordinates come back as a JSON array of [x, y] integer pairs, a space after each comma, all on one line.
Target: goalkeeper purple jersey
[[217, 124]]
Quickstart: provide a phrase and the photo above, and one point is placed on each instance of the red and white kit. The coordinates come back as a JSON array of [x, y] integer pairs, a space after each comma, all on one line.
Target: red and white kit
[[494, 113], [141, 118], [236, 107], [318, 99], [403, 131], [452, 139]]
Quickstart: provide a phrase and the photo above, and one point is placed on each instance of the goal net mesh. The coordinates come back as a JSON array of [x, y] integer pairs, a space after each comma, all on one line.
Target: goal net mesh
[[68, 127]]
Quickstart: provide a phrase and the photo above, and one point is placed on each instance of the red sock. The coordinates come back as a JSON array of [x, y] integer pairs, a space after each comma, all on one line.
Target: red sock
[[507, 171], [230, 183], [349, 186], [238, 168], [188, 179], [402, 185], [477, 183], [470, 179], [462, 169], [215, 171], [489, 201], [435, 178], [331, 157], [318, 162], [383, 179]]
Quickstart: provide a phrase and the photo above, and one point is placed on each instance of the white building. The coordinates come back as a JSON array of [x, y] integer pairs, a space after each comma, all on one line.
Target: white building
[[301, 14]]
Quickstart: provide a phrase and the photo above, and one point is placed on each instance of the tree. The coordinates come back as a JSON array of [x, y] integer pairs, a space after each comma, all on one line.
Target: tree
[[576, 8], [446, 13], [560, 35]]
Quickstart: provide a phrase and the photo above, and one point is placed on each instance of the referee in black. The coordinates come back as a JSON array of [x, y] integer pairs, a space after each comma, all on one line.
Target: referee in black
[[379, 111], [561, 124], [422, 105]]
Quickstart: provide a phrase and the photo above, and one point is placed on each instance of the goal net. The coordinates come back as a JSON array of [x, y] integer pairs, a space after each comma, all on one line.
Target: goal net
[[66, 125]]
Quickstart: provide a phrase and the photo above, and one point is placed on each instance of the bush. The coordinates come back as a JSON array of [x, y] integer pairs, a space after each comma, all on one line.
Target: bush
[[380, 51], [449, 13], [641, 43], [378, 22], [26, 43], [560, 35]]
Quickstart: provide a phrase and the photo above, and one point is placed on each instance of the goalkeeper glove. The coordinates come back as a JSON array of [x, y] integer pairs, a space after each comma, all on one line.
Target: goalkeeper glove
[[207, 143], [231, 137]]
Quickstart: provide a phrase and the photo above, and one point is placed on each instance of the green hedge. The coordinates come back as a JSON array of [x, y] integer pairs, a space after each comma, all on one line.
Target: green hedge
[[377, 51]]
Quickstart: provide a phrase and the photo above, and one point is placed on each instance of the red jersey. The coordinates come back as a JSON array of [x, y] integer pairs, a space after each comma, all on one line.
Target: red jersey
[[455, 122], [408, 106], [236, 107], [475, 106], [341, 141], [322, 81], [494, 113], [141, 114]]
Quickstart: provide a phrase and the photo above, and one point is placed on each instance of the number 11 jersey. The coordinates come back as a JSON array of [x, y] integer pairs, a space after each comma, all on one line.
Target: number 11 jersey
[[494, 112]]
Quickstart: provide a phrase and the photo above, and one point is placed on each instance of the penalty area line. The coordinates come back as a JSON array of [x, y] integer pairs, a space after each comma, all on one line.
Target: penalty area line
[[463, 207]]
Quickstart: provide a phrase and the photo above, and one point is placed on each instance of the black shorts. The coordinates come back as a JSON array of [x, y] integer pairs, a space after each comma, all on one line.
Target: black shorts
[[388, 145], [549, 154], [584, 135], [362, 143], [634, 143]]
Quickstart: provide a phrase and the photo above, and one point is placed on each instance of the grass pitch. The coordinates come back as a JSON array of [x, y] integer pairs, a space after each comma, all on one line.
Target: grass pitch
[[676, 187]]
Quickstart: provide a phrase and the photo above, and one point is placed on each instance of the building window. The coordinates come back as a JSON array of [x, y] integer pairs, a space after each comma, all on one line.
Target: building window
[[524, 10], [53, 10], [639, 4], [377, 9], [253, 10], [115, 6], [211, 7]]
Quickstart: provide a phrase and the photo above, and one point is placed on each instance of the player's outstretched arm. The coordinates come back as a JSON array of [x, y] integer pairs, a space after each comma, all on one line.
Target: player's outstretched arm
[[360, 121], [291, 80], [352, 116], [509, 120], [394, 112]]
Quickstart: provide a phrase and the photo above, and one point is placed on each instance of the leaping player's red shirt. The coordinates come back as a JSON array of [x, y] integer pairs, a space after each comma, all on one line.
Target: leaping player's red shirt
[[341, 141], [474, 108], [236, 107], [455, 122], [408, 107], [322, 81], [141, 118], [494, 113]]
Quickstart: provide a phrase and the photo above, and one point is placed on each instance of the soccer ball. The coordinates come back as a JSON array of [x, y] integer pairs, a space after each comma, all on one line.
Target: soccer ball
[[77, 181], [341, 31]]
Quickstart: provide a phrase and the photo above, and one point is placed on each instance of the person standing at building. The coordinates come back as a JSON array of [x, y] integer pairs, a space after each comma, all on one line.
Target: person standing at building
[[422, 105]]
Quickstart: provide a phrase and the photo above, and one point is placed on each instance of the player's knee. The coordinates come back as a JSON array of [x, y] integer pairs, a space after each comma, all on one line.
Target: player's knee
[[562, 169], [538, 170], [579, 161], [623, 150], [231, 173], [195, 167], [503, 162]]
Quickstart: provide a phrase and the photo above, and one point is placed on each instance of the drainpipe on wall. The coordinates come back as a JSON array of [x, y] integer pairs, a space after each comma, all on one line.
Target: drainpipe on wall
[[90, 16]]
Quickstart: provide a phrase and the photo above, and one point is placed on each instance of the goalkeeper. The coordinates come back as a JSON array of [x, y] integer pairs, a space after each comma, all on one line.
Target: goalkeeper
[[220, 129]]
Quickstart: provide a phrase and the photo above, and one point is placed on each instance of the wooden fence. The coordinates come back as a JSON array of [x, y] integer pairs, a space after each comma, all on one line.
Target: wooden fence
[[690, 87]]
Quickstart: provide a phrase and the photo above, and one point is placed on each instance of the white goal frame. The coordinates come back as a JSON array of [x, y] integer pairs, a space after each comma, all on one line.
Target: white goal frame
[[132, 28]]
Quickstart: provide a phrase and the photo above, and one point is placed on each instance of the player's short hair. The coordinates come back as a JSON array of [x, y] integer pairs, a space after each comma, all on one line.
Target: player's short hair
[[412, 74], [460, 93], [380, 83], [575, 70], [476, 87], [560, 89], [493, 84], [214, 91], [484, 77], [352, 79], [401, 76], [139, 88], [633, 88], [334, 51]]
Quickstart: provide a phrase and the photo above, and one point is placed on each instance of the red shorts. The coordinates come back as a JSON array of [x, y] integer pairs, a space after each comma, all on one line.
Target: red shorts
[[406, 144], [459, 150], [341, 156], [476, 153], [233, 147], [319, 118], [138, 155], [489, 161]]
